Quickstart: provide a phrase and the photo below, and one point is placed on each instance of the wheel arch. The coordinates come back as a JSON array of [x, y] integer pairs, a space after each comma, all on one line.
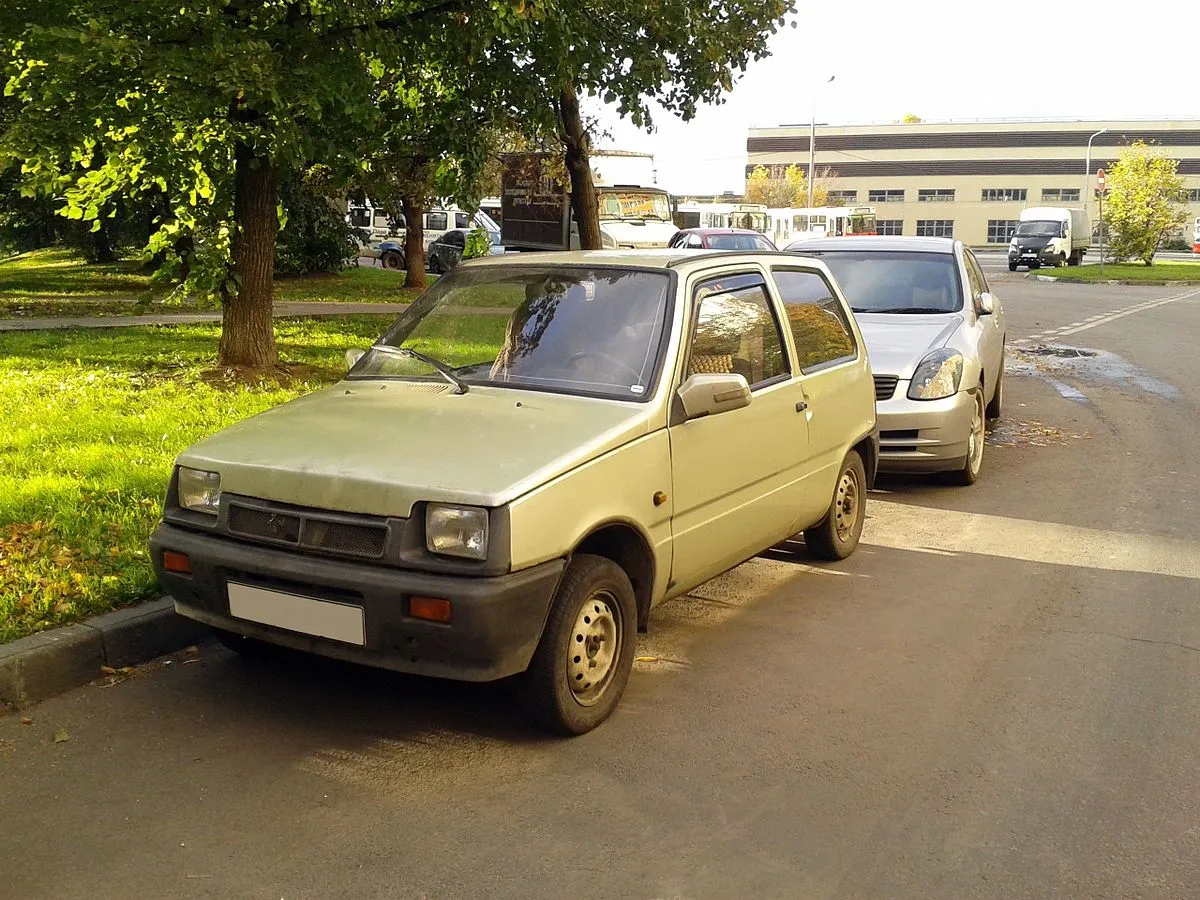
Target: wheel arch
[[622, 542]]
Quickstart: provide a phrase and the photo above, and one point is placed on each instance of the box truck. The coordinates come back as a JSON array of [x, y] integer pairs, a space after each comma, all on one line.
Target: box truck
[[1050, 236], [536, 206]]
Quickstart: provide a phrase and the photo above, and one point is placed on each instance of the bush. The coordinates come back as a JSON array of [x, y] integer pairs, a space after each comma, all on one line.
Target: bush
[[316, 236]]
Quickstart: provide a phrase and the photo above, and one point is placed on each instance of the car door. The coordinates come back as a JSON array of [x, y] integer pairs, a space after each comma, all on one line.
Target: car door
[[990, 327], [455, 244], [827, 356], [736, 474]]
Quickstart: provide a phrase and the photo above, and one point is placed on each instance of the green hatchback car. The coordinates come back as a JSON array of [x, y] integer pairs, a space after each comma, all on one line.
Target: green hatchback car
[[540, 450]]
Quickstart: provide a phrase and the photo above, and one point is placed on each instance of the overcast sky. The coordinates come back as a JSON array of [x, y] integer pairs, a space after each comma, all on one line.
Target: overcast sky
[[941, 60]]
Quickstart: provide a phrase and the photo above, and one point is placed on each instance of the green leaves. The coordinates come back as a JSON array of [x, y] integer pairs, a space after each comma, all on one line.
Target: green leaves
[[1142, 204]]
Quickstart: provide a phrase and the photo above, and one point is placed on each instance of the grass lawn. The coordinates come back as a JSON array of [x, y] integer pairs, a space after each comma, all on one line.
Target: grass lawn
[[48, 283], [92, 422], [1160, 271]]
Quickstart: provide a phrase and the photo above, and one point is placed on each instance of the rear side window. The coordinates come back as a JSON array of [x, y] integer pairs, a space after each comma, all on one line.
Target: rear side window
[[818, 324], [462, 220], [456, 239], [736, 332], [435, 221]]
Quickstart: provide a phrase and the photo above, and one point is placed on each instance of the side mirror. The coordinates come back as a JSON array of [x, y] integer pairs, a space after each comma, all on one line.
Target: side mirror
[[707, 395], [987, 304], [352, 357]]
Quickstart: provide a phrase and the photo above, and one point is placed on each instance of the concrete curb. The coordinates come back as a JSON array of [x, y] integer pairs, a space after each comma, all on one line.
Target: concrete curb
[[50, 663]]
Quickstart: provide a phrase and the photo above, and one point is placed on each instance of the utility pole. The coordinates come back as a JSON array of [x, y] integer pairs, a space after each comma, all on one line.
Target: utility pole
[[812, 140]]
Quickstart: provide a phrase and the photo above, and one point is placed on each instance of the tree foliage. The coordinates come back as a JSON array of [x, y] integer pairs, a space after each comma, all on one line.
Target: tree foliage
[[1142, 205], [788, 191]]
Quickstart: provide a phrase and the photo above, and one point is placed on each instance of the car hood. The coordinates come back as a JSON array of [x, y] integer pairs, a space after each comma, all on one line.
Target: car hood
[[896, 343], [378, 447], [1033, 241], [639, 233]]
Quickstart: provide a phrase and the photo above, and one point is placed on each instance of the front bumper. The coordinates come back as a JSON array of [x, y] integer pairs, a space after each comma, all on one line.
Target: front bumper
[[1043, 256], [495, 626], [924, 435]]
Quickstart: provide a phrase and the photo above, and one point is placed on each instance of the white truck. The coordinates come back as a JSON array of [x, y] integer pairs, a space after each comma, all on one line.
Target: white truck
[[536, 207], [1050, 236]]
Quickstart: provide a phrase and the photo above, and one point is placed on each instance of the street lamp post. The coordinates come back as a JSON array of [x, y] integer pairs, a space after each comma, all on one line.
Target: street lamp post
[[812, 140], [1087, 166]]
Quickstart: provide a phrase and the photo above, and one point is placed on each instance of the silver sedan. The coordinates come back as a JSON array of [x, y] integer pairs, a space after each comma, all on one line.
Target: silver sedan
[[935, 336]]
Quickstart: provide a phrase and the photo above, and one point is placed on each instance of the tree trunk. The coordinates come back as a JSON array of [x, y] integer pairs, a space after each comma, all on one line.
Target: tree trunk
[[585, 207], [247, 333], [102, 249], [414, 243]]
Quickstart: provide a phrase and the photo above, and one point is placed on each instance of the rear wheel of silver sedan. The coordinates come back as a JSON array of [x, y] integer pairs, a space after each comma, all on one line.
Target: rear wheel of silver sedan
[[836, 536], [976, 437], [582, 664], [995, 406]]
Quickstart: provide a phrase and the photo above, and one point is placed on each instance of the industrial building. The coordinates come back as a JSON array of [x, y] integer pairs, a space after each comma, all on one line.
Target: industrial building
[[971, 180]]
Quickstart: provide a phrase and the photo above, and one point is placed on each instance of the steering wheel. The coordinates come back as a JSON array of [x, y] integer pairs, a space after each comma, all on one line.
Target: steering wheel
[[600, 354]]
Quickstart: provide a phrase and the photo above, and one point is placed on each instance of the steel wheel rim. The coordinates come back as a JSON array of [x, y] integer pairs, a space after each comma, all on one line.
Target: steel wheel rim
[[846, 505], [976, 437], [595, 647]]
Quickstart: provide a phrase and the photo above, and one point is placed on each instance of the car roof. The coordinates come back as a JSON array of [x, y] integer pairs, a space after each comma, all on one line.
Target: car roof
[[719, 231], [892, 243], [680, 260]]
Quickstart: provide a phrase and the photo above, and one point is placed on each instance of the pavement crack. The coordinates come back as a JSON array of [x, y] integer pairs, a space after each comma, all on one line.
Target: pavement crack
[[1139, 640]]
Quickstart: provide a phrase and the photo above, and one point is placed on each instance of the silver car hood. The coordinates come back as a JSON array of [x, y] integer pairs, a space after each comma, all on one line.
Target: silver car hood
[[896, 343]]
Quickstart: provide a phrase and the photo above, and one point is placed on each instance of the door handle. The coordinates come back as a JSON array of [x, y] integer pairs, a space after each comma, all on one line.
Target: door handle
[[801, 406]]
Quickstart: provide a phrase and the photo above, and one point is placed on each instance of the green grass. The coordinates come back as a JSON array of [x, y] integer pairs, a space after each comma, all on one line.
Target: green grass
[[1160, 271], [50, 283], [92, 421]]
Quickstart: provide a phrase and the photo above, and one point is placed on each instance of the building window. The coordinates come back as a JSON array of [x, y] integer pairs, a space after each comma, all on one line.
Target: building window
[[843, 198], [1061, 195], [885, 196], [893, 227], [935, 195], [935, 228], [1004, 194], [1000, 231]]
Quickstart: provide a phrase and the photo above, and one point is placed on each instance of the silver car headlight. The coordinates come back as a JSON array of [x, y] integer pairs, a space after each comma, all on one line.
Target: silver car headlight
[[199, 491], [938, 376], [456, 531]]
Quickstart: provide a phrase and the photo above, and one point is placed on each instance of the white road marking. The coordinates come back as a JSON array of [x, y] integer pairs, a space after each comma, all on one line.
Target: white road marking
[[1105, 318], [902, 527]]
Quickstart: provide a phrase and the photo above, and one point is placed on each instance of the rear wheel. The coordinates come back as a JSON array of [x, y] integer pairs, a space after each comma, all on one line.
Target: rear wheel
[[1075, 258], [582, 664], [972, 465], [836, 536], [996, 406], [392, 260]]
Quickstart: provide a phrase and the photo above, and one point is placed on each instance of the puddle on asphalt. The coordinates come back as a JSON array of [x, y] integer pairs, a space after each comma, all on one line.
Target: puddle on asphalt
[[1046, 361]]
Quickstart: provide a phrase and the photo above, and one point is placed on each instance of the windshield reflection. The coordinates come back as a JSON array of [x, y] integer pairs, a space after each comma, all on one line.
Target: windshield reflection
[[564, 329]]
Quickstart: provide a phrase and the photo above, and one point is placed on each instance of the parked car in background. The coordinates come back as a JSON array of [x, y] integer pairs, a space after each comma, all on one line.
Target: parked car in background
[[512, 492], [935, 334], [721, 239], [447, 251]]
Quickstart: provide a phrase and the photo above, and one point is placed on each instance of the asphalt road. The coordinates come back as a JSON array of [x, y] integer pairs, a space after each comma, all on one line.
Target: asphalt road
[[997, 696]]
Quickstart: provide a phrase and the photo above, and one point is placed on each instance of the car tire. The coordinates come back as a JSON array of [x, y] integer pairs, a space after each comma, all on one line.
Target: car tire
[[1012, 267], [836, 536], [392, 260], [976, 439], [995, 406], [435, 264], [1062, 261], [1074, 259], [591, 633]]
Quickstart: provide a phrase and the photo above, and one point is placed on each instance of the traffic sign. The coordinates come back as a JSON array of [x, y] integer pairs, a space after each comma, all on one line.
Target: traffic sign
[[1100, 180]]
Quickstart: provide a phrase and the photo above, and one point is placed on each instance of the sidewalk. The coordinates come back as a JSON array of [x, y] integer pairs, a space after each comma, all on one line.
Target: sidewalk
[[282, 308]]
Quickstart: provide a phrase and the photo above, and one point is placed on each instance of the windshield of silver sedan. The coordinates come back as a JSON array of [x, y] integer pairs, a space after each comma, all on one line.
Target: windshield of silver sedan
[[895, 281], [566, 329]]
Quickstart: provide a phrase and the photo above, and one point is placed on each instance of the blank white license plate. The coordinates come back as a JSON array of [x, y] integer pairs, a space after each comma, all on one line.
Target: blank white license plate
[[307, 615]]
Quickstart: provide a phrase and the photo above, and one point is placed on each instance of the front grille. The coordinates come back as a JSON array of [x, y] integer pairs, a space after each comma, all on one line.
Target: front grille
[[261, 523], [340, 537], [885, 386], [904, 434]]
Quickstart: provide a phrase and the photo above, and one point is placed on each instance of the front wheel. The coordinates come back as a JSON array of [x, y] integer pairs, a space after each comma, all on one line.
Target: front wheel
[[582, 664], [836, 536], [1012, 267], [392, 260], [972, 465]]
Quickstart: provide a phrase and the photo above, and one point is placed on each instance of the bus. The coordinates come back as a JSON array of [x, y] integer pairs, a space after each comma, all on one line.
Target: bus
[[1196, 236], [787, 225], [746, 216]]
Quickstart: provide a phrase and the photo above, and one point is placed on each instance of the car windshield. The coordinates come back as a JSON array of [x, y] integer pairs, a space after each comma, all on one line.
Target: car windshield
[[566, 329], [737, 242], [634, 205], [895, 281], [1039, 229]]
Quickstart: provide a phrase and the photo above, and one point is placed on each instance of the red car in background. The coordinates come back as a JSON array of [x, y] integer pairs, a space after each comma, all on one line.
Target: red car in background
[[720, 239]]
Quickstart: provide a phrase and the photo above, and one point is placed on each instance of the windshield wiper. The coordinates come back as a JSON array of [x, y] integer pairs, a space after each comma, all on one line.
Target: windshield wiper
[[460, 386], [909, 310]]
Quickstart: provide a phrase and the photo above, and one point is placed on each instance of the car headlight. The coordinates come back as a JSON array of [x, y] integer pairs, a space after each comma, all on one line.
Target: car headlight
[[456, 531], [607, 241], [199, 491], [938, 376]]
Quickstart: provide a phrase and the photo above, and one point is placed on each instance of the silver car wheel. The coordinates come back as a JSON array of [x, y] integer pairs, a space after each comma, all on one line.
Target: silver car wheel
[[846, 503], [975, 440], [595, 646]]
